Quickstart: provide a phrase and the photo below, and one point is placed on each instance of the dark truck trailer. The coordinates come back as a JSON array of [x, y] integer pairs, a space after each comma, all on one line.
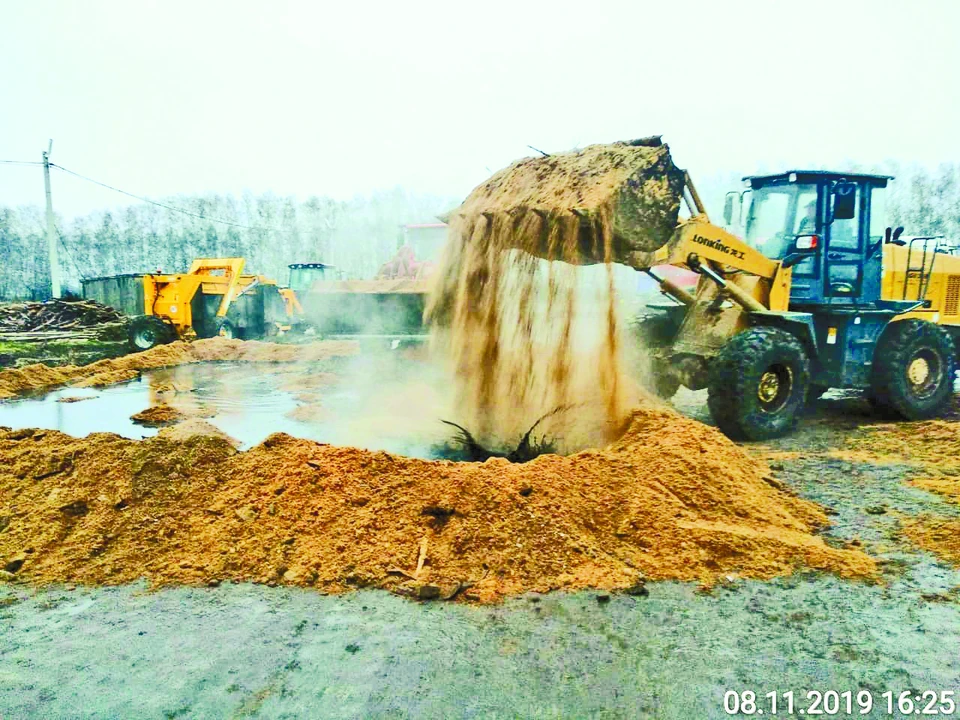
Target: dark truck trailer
[[123, 293]]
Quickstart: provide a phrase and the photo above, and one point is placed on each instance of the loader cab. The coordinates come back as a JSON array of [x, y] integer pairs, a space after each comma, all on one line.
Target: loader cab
[[829, 226], [304, 275]]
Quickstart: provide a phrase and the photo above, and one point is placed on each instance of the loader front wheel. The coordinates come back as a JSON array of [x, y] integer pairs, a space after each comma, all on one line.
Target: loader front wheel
[[913, 369], [147, 331], [758, 384]]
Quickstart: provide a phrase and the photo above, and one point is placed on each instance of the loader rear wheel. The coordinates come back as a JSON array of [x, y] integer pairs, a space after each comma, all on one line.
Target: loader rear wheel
[[758, 384], [913, 369], [227, 329], [147, 331]]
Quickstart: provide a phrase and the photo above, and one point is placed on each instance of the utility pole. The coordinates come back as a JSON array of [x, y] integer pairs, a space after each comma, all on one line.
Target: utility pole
[[51, 230]]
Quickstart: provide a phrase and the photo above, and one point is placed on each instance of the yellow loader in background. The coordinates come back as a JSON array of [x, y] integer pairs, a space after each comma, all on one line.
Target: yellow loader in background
[[213, 298]]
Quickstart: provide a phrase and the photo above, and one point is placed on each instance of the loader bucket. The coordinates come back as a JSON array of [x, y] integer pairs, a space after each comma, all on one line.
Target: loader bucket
[[605, 203]]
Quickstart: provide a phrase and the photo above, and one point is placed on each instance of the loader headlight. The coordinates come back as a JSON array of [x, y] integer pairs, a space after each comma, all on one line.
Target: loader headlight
[[807, 242]]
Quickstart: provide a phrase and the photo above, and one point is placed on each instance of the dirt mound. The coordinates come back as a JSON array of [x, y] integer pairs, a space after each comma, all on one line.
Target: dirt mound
[[933, 446], [193, 427], [933, 443], [158, 416], [940, 536], [673, 499], [38, 378]]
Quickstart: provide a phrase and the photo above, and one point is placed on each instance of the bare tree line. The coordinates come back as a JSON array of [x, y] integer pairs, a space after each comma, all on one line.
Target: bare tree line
[[356, 236]]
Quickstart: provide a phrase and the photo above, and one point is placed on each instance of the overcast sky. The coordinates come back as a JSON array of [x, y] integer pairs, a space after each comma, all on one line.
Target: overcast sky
[[324, 98]]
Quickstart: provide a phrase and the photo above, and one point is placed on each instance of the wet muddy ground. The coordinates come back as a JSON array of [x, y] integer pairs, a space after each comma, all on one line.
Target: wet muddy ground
[[256, 651]]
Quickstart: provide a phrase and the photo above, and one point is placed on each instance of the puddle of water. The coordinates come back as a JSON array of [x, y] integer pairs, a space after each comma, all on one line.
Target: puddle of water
[[104, 411], [248, 402]]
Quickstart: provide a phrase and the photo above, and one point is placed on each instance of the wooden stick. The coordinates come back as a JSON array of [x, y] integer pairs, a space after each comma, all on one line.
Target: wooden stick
[[423, 555]]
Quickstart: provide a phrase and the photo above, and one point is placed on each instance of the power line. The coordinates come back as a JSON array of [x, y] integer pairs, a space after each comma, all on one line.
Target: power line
[[171, 208], [21, 162]]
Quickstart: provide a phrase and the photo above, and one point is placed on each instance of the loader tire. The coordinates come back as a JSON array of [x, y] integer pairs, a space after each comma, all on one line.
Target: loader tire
[[228, 330], [913, 370], [147, 331], [758, 384]]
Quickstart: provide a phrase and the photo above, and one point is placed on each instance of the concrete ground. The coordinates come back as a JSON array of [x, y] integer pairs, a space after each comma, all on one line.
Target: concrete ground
[[255, 651]]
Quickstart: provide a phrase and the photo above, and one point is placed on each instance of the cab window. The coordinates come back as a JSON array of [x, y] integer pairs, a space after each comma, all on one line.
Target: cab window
[[805, 219], [844, 234], [878, 213], [776, 215]]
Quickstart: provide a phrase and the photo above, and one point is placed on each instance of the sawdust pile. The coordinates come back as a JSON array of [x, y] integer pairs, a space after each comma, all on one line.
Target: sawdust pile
[[931, 443], [158, 416], [672, 499], [525, 330], [933, 446], [40, 378], [938, 535]]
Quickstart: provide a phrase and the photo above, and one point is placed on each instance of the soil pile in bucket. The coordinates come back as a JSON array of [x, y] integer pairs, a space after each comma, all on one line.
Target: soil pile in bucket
[[40, 378], [672, 499], [525, 328]]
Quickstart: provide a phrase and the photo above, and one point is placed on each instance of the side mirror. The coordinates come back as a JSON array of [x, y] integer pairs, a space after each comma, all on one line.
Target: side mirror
[[845, 201], [731, 208]]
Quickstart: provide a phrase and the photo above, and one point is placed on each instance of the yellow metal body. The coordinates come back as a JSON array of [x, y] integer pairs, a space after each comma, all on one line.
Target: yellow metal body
[[171, 296], [941, 291], [757, 283], [753, 283], [742, 265]]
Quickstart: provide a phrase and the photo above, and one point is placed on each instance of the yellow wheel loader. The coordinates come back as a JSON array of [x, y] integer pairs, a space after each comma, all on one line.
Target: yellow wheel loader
[[817, 293], [213, 298]]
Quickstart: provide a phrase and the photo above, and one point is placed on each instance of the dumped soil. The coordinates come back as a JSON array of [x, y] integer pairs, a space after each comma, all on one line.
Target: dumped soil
[[672, 499], [525, 335], [940, 536], [41, 378], [158, 416], [932, 443], [946, 485], [933, 447]]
